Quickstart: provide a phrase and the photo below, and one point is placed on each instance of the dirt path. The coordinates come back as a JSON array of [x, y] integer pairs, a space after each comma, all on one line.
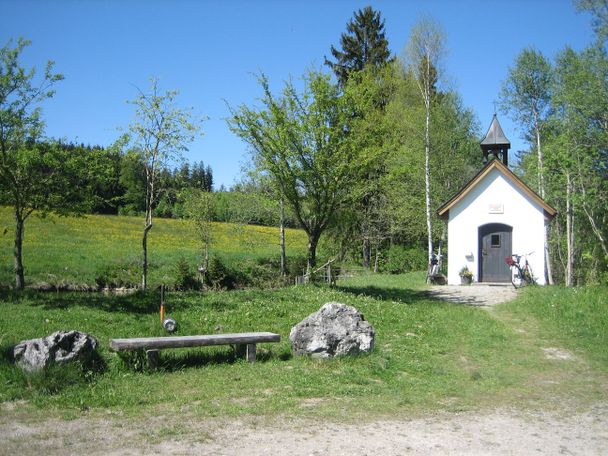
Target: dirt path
[[500, 432], [478, 295], [568, 428]]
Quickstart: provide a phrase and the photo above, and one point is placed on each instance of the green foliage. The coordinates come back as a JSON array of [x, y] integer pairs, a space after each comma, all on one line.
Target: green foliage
[[56, 378], [364, 44], [526, 93], [300, 140], [119, 274], [399, 259], [465, 272], [185, 276], [599, 10], [158, 136], [562, 109], [220, 276]]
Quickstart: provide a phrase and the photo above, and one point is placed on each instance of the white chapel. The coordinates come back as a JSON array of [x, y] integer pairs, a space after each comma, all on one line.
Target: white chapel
[[493, 216]]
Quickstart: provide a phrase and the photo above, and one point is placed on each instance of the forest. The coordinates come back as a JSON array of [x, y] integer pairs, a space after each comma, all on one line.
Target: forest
[[362, 153]]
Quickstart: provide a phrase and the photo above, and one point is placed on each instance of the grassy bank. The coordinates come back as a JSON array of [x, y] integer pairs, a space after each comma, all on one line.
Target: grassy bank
[[77, 250], [575, 317], [428, 354]]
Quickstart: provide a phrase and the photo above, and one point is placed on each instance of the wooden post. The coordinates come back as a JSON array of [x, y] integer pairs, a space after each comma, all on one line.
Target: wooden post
[[250, 353], [247, 351], [152, 356]]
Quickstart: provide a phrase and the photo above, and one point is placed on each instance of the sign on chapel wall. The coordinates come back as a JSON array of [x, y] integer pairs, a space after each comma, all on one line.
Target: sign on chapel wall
[[496, 208]]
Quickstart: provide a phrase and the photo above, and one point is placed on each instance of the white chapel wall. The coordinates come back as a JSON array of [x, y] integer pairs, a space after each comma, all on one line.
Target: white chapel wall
[[494, 200]]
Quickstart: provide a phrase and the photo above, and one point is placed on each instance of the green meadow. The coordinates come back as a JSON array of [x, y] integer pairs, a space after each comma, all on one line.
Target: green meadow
[[428, 354], [76, 250]]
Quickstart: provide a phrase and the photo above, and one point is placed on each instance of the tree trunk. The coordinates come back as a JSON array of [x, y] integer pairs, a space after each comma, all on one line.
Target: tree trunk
[[569, 233], [147, 228], [313, 240], [541, 172], [427, 178], [377, 260], [19, 271], [367, 251], [282, 240], [548, 273], [548, 268]]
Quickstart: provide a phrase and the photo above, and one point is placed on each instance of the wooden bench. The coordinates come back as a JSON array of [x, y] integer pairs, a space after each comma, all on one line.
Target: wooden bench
[[245, 343]]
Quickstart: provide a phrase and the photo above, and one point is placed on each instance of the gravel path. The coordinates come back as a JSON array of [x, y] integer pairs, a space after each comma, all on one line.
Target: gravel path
[[479, 295], [499, 432]]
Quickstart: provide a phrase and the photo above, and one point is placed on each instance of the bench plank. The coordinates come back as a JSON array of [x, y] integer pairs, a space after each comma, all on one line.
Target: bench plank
[[192, 341]]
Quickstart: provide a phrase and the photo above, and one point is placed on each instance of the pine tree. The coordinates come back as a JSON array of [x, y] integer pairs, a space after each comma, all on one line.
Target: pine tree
[[363, 43]]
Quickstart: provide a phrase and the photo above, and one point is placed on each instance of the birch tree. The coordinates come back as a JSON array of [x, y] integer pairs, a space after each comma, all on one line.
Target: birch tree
[[423, 54], [526, 96], [159, 135]]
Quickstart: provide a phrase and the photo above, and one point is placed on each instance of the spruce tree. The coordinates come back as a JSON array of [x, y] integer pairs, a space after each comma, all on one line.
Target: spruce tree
[[363, 43]]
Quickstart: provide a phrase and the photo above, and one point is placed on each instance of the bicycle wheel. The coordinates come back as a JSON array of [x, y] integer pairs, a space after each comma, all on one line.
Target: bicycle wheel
[[528, 278], [517, 280]]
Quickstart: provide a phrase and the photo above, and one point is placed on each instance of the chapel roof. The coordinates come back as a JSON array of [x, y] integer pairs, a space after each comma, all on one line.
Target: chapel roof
[[444, 210], [495, 135]]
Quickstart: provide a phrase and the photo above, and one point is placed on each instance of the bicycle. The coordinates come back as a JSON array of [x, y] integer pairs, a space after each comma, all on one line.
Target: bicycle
[[521, 276], [433, 273]]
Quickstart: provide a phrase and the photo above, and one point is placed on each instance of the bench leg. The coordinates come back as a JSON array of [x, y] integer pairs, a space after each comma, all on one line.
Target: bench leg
[[246, 350], [250, 354], [152, 356]]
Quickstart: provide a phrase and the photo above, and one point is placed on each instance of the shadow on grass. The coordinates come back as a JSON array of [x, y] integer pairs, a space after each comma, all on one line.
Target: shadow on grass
[[401, 295], [6, 354], [172, 361], [147, 302], [138, 303]]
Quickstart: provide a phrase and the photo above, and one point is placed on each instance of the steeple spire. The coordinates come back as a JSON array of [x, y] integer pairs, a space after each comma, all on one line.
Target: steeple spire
[[495, 143]]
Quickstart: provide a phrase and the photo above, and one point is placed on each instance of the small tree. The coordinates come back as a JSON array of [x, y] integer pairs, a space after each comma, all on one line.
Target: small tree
[[29, 172], [158, 136], [300, 140], [200, 209]]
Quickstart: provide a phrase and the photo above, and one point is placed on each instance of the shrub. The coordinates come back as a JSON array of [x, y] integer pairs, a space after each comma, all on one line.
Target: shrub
[[296, 265], [115, 275], [263, 272], [219, 276], [399, 259], [185, 278]]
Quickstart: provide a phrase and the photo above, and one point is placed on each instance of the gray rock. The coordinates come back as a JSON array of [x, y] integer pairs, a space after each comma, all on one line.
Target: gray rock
[[60, 347], [335, 330]]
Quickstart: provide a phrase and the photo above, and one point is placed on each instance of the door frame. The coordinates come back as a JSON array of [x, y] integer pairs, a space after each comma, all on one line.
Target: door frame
[[484, 230]]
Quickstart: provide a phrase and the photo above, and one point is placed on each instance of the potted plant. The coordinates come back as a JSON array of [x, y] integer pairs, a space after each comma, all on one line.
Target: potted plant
[[466, 276]]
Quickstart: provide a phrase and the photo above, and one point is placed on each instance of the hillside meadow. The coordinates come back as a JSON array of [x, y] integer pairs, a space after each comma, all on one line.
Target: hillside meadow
[[77, 250], [428, 355]]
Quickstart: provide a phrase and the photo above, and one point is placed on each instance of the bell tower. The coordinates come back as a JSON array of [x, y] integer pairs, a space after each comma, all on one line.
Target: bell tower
[[495, 143]]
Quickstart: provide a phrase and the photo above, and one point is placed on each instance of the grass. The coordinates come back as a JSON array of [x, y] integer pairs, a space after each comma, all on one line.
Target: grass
[[428, 355], [76, 250], [575, 317]]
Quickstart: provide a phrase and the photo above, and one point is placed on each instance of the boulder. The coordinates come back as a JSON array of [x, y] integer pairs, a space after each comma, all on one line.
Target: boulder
[[335, 330], [60, 347]]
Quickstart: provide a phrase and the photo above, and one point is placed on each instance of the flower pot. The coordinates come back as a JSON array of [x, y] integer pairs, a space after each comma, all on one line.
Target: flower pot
[[466, 280]]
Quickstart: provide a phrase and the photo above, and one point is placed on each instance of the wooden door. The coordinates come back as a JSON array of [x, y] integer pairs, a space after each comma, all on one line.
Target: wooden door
[[494, 246]]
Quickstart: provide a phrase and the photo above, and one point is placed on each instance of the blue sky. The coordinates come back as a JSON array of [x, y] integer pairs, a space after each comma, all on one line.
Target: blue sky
[[210, 50]]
